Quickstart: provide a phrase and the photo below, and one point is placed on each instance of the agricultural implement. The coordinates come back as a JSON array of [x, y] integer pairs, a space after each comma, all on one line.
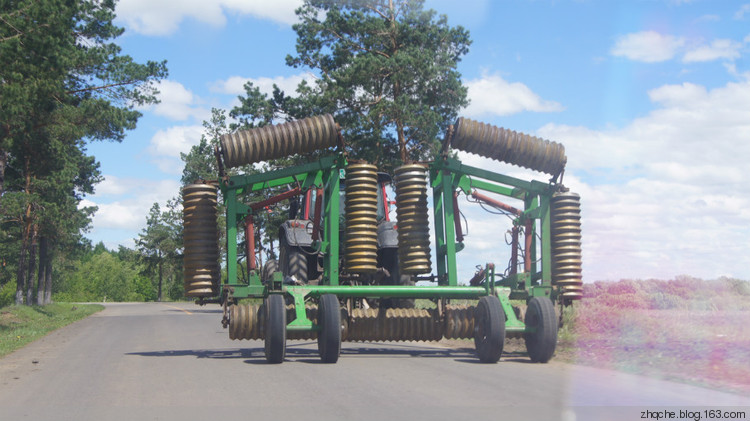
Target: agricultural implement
[[349, 273]]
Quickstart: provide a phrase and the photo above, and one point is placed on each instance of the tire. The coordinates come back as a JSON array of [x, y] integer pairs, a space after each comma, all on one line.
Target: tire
[[275, 329], [541, 343], [329, 335], [269, 268], [489, 329], [292, 261]]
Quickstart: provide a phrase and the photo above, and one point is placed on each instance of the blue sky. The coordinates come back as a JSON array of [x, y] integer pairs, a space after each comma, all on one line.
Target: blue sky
[[651, 99]]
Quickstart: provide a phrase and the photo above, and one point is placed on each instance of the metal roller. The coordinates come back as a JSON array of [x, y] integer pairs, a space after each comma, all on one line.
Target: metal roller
[[459, 322], [509, 146], [278, 141], [361, 246], [200, 236], [413, 224], [565, 211], [394, 324], [247, 321]]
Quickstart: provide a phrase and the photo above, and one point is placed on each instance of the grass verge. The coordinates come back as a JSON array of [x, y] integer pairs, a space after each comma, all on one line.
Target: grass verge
[[20, 325]]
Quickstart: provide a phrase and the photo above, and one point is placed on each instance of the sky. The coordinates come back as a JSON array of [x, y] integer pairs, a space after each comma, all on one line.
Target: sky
[[651, 99]]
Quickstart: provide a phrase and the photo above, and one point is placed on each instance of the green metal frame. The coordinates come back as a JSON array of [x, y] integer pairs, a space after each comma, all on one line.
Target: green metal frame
[[446, 176], [449, 175]]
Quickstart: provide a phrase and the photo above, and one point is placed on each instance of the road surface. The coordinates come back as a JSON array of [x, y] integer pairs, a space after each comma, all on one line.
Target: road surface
[[175, 362]]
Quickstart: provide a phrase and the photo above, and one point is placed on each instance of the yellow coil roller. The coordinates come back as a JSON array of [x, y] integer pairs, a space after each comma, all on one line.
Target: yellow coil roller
[[509, 146], [278, 141], [565, 211], [413, 224], [361, 247], [200, 236]]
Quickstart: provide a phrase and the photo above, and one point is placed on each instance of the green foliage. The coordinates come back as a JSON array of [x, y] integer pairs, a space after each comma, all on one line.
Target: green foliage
[[103, 276], [388, 71], [160, 246], [20, 325], [7, 293], [63, 82]]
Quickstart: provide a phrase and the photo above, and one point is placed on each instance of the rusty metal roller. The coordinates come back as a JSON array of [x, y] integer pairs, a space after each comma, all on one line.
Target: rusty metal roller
[[509, 146], [394, 324], [278, 141], [247, 321], [459, 321], [361, 247], [565, 211], [200, 236], [413, 224]]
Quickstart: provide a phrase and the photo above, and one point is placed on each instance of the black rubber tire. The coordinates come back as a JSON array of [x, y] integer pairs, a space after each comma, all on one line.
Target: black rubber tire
[[269, 268], [541, 343], [275, 329], [489, 329], [297, 264], [329, 335]]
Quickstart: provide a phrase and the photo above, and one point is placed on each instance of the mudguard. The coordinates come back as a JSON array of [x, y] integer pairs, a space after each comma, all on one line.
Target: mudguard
[[296, 232]]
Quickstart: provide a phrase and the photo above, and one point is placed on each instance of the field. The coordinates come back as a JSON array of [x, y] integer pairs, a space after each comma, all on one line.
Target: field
[[686, 329]]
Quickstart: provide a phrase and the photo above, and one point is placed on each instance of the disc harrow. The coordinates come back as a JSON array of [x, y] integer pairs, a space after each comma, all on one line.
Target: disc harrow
[[200, 236], [413, 222], [509, 146], [361, 247], [278, 141]]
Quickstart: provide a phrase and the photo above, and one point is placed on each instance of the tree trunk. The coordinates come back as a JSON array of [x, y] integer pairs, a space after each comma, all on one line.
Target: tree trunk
[[42, 274], [21, 270], [31, 271], [3, 164], [159, 254], [48, 279]]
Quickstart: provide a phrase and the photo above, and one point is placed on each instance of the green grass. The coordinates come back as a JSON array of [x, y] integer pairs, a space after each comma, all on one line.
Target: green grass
[[20, 325]]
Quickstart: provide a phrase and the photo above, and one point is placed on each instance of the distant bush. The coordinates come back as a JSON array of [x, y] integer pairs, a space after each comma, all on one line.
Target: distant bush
[[7, 294]]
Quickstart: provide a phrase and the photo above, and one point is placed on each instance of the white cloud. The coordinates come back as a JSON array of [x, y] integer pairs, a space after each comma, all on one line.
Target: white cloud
[[671, 189], [166, 146], [178, 103], [647, 46], [163, 17], [134, 199], [235, 85], [718, 49], [740, 13], [493, 95]]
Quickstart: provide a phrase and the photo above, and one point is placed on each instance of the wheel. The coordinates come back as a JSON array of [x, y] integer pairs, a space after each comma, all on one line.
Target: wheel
[[489, 329], [542, 320], [292, 261], [275, 341], [269, 268], [329, 335]]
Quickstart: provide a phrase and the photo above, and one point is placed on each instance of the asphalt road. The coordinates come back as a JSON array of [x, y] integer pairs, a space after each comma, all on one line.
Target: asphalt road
[[175, 362]]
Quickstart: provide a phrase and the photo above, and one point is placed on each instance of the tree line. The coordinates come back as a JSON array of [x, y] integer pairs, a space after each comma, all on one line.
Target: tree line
[[64, 83], [386, 70]]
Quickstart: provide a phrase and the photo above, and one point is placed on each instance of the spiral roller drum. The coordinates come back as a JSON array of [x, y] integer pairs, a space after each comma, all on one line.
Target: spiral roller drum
[[361, 246], [247, 321], [565, 210], [413, 223], [509, 146], [394, 324], [200, 234], [278, 141]]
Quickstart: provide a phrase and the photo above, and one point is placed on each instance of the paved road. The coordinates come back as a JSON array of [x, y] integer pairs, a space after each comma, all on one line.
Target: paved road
[[175, 362]]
